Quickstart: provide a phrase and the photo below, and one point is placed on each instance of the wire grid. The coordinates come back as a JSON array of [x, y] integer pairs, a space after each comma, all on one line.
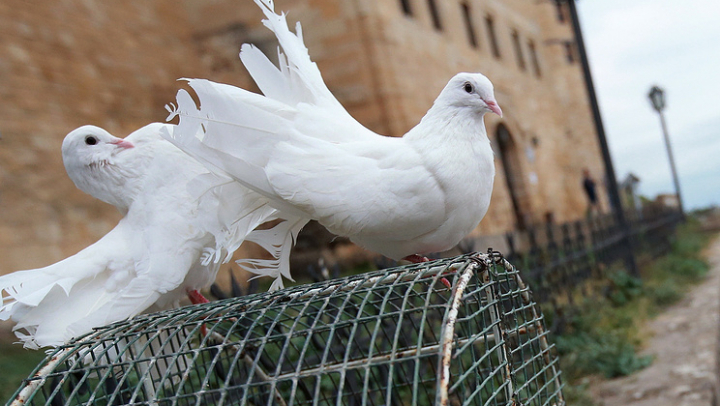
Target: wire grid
[[392, 337]]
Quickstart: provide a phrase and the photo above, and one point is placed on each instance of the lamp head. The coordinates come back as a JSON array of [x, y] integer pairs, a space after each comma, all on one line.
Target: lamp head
[[657, 98]]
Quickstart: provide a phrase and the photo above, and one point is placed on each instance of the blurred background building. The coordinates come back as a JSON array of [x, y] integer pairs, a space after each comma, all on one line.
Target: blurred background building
[[114, 64]]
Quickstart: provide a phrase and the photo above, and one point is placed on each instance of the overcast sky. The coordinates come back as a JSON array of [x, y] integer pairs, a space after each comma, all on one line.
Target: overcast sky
[[633, 45]]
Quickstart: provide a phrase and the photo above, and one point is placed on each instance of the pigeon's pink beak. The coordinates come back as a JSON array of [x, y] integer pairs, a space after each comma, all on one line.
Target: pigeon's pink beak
[[493, 106], [123, 144]]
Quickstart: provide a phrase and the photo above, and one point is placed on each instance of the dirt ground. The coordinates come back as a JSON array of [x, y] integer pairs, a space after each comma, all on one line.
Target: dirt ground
[[685, 346]]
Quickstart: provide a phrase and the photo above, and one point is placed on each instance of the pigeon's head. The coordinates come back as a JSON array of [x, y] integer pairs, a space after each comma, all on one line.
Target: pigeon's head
[[91, 156], [470, 90], [90, 146]]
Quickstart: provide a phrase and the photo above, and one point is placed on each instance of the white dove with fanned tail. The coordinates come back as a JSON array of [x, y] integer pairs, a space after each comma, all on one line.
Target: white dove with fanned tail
[[180, 222], [297, 146]]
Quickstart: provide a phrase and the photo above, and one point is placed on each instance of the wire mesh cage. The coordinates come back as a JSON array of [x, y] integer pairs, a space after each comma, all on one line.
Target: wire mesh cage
[[392, 337]]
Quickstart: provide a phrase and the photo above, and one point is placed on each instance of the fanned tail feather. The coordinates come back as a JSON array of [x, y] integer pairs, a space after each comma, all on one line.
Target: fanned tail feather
[[239, 212], [235, 133], [302, 78], [297, 80], [278, 241], [209, 133]]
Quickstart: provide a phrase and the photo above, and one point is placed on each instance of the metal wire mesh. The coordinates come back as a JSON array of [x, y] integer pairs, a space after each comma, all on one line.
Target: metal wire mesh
[[393, 337]]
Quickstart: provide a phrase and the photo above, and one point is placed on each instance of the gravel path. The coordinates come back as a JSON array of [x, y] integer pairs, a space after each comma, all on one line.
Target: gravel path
[[685, 346]]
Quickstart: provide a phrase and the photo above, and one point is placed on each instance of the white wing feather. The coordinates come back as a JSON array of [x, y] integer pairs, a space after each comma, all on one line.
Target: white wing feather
[[45, 301]]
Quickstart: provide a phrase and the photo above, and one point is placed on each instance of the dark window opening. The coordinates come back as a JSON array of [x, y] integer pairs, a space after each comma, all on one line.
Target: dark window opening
[[467, 16], [561, 9], [514, 178], [407, 10], [435, 15], [518, 50], [490, 23], [534, 58], [570, 52]]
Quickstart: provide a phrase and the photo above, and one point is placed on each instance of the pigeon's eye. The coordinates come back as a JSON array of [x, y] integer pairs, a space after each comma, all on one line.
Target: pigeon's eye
[[90, 140], [468, 87]]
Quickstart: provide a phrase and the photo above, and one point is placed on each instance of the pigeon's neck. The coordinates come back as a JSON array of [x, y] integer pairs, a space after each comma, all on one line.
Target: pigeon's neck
[[453, 143], [107, 182], [450, 126]]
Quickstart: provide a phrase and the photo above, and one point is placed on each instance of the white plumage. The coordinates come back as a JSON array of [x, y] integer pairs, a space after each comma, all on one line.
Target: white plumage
[[297, 146], [171, 240]]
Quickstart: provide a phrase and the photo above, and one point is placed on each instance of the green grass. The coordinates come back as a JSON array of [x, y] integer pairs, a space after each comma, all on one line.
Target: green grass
[[667, 278], [16, 363], [603, 337]]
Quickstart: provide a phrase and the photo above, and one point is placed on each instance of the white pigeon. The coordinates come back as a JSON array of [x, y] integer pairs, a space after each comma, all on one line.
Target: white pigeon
[[297, 146], [169, 243]]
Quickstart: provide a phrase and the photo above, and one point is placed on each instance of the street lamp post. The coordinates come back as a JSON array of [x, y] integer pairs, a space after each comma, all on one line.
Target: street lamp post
[[657, 98]]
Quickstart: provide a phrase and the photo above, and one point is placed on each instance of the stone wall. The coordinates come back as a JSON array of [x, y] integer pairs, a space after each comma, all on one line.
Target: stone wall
[[114, 64], [62, 65]]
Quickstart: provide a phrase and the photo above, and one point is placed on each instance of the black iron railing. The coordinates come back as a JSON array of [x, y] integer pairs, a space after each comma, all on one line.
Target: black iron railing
[[564, 261]]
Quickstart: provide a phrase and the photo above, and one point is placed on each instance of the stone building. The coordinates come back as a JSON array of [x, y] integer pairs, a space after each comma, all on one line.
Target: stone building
[[115, 64]]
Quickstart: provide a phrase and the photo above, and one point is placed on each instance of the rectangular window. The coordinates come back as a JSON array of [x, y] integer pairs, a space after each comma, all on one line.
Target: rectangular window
[[570, 51], [534, 58], [561, 9], [490, 23], [407, 10], [435, 15], [518, 50], [467, 16]]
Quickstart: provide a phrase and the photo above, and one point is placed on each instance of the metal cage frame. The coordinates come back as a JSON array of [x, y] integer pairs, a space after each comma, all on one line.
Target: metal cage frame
[[391, 337]]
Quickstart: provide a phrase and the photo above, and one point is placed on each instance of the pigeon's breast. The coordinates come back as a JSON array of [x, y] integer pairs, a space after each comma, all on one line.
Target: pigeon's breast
[[467, 177], [464, 182]]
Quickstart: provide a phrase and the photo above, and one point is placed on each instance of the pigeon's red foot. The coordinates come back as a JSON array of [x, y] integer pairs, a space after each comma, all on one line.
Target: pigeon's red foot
[[196, 297], [416, 259]]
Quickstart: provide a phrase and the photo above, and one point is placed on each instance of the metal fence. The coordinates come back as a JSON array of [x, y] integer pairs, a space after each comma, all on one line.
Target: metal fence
[[564, 261]]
